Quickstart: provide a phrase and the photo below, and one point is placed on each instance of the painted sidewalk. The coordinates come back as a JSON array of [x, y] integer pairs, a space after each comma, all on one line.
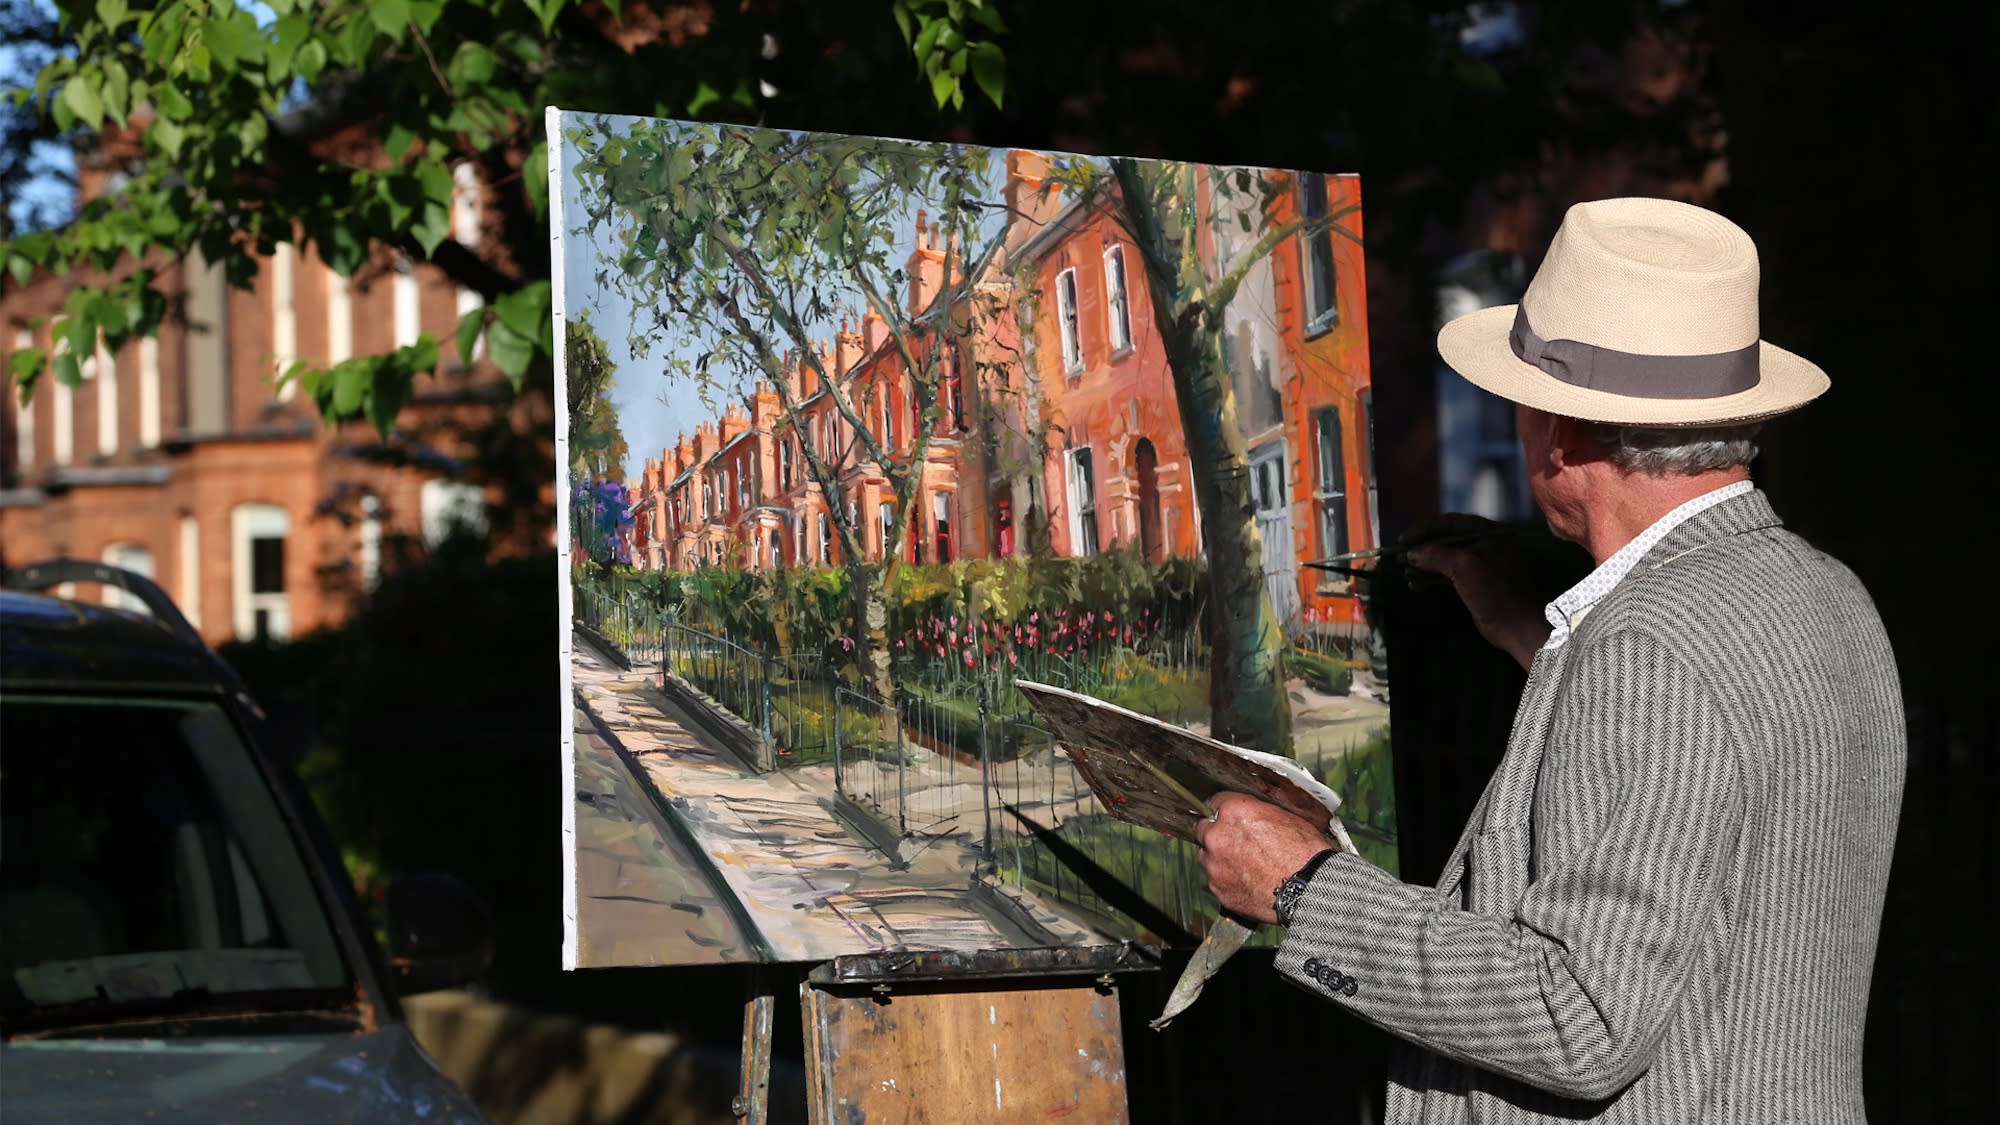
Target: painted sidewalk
[[807, 888]]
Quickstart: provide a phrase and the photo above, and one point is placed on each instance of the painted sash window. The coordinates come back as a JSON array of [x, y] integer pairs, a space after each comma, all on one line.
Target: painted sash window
[[1330, 483], [1082, 503], [1072, 341], [955, 385], [1318, 236], [941, 525], [1118, 306]]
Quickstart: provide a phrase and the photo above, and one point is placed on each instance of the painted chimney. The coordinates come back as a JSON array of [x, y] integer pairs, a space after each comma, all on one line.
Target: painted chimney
[[925, 265]]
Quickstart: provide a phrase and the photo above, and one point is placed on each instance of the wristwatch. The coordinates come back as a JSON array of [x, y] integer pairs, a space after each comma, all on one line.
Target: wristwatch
[[1285, 897]]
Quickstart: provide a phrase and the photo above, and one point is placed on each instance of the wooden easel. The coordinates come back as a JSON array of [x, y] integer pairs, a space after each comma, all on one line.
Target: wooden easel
[[944, 1038]]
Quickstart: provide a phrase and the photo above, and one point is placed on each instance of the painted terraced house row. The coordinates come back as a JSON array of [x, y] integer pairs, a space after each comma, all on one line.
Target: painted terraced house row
[[181, 458], [1056, 421]]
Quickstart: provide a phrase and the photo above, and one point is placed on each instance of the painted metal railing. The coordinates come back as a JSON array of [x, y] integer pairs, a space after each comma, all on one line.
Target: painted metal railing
[[636, 626], [956, 755]]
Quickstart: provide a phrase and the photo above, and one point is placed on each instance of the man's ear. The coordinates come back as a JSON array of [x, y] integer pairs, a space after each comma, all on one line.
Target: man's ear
[[1573, 441]]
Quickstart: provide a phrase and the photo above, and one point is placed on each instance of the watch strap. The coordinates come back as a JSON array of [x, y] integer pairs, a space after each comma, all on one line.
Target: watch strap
[[1285, 897]]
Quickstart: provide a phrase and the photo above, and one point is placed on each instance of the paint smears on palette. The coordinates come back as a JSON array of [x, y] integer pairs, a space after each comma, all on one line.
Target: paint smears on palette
[[860, 434]]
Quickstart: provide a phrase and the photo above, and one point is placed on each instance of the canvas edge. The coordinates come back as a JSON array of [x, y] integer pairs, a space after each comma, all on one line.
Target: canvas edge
[[565, 607]]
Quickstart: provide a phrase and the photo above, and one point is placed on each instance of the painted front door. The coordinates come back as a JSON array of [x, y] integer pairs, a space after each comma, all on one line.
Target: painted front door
[[1269, 492]]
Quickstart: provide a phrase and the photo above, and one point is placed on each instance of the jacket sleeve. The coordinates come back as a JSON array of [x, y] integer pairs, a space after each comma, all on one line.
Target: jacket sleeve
[[1639, 811]]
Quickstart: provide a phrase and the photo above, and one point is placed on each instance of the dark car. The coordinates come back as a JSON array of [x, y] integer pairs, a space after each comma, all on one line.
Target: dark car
[[179, 938]]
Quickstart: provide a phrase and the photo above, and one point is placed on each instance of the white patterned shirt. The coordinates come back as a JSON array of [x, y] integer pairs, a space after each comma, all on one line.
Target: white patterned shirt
[[1567, 611]]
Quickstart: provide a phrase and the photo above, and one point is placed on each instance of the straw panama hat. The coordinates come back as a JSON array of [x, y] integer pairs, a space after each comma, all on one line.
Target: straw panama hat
[[1644, 313]]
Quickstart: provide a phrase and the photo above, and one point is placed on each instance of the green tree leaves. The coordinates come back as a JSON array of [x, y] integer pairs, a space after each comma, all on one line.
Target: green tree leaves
[[951, 42], [265, 124]]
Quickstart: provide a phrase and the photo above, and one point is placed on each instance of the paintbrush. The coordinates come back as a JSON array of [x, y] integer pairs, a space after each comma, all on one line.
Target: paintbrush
[[1401, 550]]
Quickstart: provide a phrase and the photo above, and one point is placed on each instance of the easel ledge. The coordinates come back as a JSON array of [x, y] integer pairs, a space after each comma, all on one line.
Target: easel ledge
[[954, 1036]]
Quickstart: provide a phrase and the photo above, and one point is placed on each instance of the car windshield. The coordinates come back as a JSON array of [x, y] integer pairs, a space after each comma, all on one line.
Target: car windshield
[[147, 871]]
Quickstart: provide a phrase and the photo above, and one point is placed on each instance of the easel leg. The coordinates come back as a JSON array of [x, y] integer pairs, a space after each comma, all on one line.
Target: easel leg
[[752, 1101]]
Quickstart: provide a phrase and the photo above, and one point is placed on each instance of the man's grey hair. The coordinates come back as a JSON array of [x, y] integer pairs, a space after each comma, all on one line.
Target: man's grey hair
[[1667, 451]]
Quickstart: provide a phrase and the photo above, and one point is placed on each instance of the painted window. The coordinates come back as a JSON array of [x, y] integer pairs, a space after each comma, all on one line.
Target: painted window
[[941, 525], [1367, 405], [1082, 503], [1072, 340], [955, 385], [888, 416], [1318, 236], [785, 461], [1329, 483], [1003, 528], [825, 539], [885, 514], [1118, 307]]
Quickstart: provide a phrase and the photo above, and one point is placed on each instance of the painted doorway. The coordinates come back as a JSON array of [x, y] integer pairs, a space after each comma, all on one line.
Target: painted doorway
[[1268, 491], [1146, 465]]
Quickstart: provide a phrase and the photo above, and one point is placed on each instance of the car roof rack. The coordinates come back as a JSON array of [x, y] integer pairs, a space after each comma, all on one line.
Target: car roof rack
[[42, 577]]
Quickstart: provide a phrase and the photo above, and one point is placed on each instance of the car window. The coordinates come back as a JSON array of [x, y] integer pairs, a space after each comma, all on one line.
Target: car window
[[147, 868]]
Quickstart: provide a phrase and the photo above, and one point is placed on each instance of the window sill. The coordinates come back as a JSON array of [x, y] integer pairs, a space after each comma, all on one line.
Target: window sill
[[1327, 322]]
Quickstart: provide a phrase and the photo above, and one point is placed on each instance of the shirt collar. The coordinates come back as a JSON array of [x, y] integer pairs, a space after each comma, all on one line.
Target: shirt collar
[[1567, 611]]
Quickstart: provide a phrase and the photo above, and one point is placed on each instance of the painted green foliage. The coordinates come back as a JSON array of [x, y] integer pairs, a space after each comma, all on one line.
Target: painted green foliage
[[596, 443], [738, 247], [240, 103]]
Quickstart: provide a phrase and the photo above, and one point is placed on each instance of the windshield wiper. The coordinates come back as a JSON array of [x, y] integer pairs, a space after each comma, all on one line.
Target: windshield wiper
[[188, 1006]]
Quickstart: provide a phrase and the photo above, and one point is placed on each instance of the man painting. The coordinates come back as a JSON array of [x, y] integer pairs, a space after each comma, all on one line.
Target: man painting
[[1665, 906]]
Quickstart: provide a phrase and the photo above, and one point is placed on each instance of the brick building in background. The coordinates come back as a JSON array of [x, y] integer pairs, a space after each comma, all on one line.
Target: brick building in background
[[180, 457]]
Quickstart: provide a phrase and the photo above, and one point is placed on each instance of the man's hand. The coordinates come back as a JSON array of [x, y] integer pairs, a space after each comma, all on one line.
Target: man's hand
[[1249, 848], [1487, 570]]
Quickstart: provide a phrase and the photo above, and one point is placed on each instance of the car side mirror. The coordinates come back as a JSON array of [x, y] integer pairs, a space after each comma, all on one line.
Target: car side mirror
[[440, 932]]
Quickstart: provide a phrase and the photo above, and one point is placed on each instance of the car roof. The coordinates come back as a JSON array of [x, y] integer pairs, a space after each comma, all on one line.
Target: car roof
[[55, 642]]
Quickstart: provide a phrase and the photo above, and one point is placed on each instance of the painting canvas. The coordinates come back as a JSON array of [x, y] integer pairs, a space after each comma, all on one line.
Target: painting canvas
[[860, 433]]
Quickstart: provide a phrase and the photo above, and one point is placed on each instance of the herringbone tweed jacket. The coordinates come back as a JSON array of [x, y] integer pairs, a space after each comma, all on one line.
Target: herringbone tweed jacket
[[1665, 906]]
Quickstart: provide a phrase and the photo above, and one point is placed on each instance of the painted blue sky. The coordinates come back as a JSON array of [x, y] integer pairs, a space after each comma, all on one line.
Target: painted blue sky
[[652, 409]]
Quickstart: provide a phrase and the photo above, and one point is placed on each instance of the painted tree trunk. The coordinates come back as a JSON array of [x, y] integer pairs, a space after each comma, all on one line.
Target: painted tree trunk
[[1246, 687]]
